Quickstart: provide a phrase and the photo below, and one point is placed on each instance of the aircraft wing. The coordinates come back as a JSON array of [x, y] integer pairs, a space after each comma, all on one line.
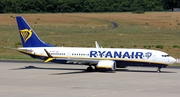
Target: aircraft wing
[[82, 61]]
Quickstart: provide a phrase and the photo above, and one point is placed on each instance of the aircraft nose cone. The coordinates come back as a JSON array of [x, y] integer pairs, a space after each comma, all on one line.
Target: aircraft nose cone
[[172, 60]]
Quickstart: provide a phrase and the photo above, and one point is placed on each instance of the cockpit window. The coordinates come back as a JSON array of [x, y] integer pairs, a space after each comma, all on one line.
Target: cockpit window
[[165, 55]]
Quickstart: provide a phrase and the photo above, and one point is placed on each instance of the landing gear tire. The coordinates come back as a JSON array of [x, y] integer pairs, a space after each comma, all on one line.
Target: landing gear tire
[[89, 69], [158, 71]]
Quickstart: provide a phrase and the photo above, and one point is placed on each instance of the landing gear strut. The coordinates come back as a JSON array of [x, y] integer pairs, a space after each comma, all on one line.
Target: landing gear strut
[[159, 69], [95, 68]]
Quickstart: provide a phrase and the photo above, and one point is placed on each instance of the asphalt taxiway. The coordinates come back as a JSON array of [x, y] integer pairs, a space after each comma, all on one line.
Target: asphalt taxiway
[[38, 79]]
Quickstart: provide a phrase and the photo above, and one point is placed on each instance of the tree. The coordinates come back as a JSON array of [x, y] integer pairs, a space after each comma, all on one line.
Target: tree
[[54, 6], [170, 4], [1, 6]]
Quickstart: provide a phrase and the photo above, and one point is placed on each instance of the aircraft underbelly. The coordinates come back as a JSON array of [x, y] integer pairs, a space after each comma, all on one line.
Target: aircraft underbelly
[[119, 63], [131, 63]]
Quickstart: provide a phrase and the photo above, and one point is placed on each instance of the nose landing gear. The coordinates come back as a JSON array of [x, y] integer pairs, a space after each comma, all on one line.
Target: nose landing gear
[[159, 69]]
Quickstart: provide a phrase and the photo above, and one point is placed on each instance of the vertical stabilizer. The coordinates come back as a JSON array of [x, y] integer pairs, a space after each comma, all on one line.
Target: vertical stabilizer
[[28, 36]]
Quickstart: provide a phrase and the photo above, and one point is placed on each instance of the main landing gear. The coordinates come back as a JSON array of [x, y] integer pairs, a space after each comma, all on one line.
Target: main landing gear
[[159, 69], [89, 69]]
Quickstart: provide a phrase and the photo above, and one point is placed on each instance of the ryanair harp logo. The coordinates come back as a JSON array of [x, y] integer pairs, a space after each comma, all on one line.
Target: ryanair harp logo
[[26, 34]]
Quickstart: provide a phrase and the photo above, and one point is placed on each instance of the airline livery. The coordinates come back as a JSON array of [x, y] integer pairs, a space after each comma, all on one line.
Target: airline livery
[[96, 58]]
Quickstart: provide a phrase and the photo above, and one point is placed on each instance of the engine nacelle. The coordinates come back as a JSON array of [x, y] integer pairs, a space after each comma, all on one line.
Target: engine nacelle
[[106, 65]]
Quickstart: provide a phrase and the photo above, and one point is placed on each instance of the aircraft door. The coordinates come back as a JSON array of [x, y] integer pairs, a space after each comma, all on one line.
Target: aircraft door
[[68, 54]]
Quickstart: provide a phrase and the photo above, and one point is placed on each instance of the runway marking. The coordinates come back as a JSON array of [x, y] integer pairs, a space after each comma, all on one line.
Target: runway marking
[[152, 88], [94, 95], [120, 84], [103, 93], [114, 92], [125, 91], [168, 87], [19, 89], [166, 82], [150, 82], [38, 88], [138, 89], [103, 84]]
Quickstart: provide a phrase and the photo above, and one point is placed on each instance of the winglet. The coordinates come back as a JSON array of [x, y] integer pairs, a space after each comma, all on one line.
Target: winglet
[[50, 57], [97, 45]]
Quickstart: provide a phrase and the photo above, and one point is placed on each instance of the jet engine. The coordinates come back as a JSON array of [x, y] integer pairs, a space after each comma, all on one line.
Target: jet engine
[[106, 65]]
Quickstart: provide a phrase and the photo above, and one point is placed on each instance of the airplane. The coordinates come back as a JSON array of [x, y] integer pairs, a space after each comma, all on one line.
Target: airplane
[[106, 59]]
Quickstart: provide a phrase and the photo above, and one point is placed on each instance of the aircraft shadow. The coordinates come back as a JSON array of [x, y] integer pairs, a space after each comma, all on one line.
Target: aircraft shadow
[[142, 71], [34, 67], [42, 68], [84, 70]]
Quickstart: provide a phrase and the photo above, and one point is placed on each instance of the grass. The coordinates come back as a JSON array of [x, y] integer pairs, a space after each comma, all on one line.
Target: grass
[[82, 29]]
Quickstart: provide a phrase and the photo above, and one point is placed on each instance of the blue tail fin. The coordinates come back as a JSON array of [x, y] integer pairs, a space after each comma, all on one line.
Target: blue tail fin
[[28, 36]]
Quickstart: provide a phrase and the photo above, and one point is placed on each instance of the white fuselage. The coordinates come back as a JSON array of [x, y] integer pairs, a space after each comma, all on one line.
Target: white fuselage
[[120, 54]]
